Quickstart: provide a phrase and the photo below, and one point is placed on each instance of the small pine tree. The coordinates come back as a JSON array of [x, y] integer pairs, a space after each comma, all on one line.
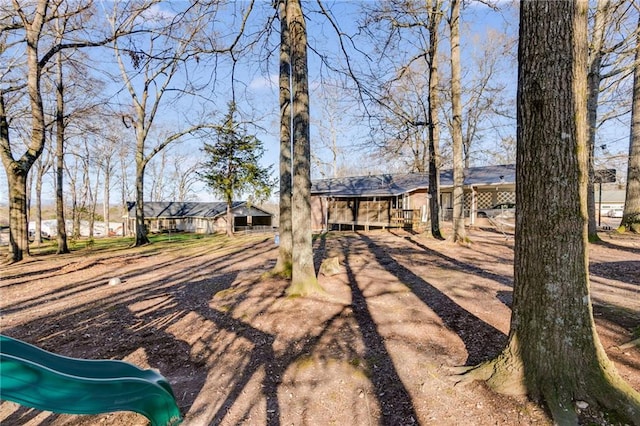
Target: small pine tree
[[231, 166]]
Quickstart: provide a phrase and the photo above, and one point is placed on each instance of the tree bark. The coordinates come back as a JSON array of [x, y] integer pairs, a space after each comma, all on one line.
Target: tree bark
[[17, 170], [459, 232], [554, 353], [284, 262], [61, 238], [303, 277], [229, 199], [141, 228], [594, 77], [434, 123], [106, 197], [18, 219], [41, 167], [631, 212]]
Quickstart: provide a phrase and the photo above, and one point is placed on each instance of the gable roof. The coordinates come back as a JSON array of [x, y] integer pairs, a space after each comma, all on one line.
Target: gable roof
[[398, 184], [175, 209]]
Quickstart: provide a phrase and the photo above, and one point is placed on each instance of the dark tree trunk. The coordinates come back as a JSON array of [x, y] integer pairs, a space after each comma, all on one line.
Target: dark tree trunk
[[631, 213], [594, 77], [59, 169], [37, 208], [283, 264], [434, 123], [459, 232], [17, 170], [554, 354], [18, 219], [303, 276], [141, 228]]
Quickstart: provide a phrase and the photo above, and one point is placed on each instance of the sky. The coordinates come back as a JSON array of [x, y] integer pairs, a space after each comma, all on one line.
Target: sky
[[331, 107]]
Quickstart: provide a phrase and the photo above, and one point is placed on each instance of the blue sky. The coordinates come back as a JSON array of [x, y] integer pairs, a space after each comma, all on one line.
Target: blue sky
[[257, 88]]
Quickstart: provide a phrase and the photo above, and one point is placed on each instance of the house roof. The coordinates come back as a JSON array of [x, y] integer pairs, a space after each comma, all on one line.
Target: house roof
[[174, 209], [397, 184], [610, 196]]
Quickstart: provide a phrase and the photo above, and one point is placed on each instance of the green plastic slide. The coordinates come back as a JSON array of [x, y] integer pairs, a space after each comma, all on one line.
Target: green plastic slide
[[39, 379]]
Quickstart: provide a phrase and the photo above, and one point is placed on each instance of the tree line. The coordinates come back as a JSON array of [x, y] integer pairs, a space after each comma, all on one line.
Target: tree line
[[553, 353]]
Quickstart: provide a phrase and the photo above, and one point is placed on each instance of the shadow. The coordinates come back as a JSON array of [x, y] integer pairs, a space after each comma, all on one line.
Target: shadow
[[319, 252], [610, 245], [618, 271], [395, 402], [506, 297], [21, 416], [99, 281], [447, 261], [482, 341], [123, 331]]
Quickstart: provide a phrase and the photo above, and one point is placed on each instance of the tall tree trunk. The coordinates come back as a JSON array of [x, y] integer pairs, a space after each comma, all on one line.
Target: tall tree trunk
[[37, 214], [17, 170], [553, 353], [594, 77], [434, 122], [93, 199], [18, 219], [459, 233], [303, 276], [106, 196], [61, 238], [283, 264], [141, 228], [631, 212]]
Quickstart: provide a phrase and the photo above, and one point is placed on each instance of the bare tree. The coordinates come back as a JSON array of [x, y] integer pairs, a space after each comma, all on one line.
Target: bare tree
[[184, 178], [149, 64], [416, 28], [553, 353], [27, 27], [434, 122], [284, 264], [608, 50], [42, 166], [31, 22], [631, 213], [331, 126], [459, 232], [303, 276], [486, 110]]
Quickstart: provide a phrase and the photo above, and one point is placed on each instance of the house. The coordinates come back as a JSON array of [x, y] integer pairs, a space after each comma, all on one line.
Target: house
[[199, 217], [402, 200], [609, 202]]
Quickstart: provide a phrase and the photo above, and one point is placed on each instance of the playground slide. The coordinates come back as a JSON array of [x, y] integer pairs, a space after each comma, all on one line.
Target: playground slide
[[39, 379]]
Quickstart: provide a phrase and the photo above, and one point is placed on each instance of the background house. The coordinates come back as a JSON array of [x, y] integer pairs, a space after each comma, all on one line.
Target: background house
[[402, 200], [609, 201], [197, 217]]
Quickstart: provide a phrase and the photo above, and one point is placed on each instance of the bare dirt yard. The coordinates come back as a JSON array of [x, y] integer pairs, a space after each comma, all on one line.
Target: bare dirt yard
[[374, 350]]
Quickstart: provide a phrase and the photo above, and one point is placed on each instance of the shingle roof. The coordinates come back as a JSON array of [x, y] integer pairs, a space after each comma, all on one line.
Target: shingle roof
[[175, 209], [397, 184]]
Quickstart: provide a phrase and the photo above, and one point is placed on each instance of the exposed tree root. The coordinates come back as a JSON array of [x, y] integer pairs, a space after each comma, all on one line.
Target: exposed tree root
[[501, 375], [281, 270], [305, 287], [505, 375]]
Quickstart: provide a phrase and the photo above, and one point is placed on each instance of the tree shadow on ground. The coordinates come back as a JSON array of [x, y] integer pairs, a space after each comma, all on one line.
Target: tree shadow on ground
[[611, 245], [108, 327], [482, 341], [447, 261], [617, 271], [395, 402], [145, 319]]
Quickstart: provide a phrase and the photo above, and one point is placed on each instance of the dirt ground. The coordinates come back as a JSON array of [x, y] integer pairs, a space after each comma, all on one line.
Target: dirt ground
[[375, 350]]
